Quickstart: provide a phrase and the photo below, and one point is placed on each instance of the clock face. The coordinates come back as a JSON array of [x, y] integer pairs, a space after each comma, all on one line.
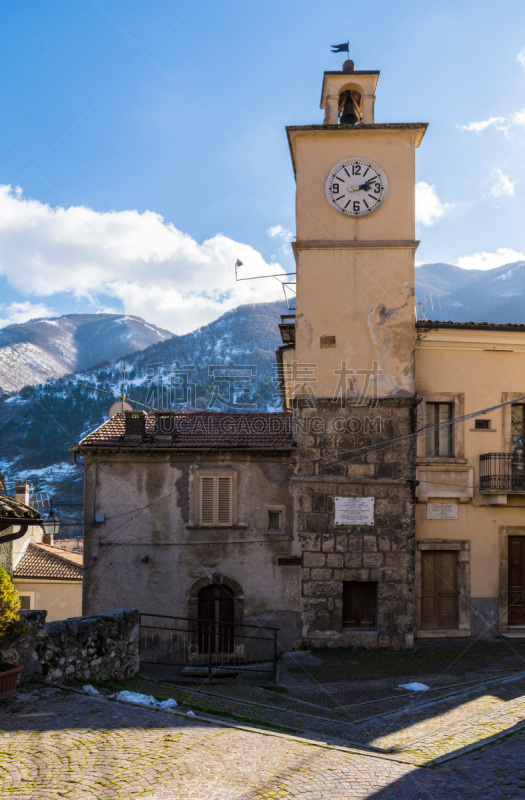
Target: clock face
[[356, 187]]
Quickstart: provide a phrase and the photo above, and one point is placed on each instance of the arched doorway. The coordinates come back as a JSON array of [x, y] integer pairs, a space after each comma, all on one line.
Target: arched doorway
[[215, 619]]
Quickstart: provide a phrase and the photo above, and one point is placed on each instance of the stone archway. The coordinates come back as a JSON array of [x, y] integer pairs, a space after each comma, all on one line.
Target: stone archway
[[217, 578]]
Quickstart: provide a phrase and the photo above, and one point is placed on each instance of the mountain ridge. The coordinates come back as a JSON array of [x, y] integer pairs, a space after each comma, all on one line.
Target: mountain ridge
[[48, 348]]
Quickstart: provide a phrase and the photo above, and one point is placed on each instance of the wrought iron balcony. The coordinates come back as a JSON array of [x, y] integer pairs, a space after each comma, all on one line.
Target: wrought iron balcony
[[501, 472]]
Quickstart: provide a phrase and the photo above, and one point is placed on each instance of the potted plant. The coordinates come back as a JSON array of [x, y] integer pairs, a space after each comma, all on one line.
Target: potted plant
[[11, 627]]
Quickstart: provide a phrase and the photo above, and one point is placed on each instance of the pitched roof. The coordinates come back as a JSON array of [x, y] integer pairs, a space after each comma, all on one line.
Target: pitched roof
[[43, 561], [10, 507], [193, 429], [481, 326]]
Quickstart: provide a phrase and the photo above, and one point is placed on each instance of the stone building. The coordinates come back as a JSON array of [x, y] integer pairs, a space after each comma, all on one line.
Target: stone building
[[386, 503], [186, 508]]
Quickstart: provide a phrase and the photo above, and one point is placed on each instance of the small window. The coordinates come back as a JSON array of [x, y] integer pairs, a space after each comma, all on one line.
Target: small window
[[25, 602], [359, 604], [274, 520], [440, 430], [216, 499], [482, 424]]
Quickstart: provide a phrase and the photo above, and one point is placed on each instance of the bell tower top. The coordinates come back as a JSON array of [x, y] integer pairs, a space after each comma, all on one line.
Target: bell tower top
[[351, 93]]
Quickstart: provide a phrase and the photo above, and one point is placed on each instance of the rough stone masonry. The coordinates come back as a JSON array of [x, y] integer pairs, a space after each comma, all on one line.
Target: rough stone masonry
[[332, 554], [100, 646]]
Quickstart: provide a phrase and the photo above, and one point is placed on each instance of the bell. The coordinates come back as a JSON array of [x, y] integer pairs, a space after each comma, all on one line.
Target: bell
[[348, 115], [348, 112]]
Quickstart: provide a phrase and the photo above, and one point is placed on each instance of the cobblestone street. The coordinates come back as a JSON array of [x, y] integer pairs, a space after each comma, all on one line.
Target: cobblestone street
[[61, 744]]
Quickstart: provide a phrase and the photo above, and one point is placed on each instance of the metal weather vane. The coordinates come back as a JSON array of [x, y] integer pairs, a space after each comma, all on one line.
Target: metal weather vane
[[341, 48]]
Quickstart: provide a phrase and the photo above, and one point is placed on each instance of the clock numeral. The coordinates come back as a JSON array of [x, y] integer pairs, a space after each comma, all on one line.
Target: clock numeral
[[377, 188], [335, 188], [356, 169], [356, 207]]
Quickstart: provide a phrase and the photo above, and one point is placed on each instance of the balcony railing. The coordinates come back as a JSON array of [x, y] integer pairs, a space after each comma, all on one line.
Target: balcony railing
[[501, 472]]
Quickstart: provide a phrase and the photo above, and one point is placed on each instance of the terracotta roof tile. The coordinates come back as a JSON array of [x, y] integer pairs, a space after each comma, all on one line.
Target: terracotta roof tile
[[188, 429], [9, 507], [488, 326], [44, 561]]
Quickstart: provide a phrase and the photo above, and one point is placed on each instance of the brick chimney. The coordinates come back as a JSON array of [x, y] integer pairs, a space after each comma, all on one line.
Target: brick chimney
[[22, 492], [135, 424]]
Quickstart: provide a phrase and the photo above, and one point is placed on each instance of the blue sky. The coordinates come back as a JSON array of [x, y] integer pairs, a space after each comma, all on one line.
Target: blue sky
[[147, 141]]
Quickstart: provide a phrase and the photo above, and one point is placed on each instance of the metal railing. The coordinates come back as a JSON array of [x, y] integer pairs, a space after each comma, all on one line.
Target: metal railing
[[501, 472], [196, 648]]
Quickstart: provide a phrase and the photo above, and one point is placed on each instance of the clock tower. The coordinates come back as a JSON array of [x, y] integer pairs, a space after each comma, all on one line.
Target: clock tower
[[348, 367]]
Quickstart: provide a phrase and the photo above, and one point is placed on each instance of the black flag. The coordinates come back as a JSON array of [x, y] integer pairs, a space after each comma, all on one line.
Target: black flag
[[340, 48]]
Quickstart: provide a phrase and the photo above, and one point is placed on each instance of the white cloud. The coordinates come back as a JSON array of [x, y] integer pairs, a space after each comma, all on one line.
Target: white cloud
[[155, 270], [277, 231], [505, 124], [429, 208], [478, 127], [484, 260], [521, 58], [22, 312], [518, 118], [285, 235], [502, 184]]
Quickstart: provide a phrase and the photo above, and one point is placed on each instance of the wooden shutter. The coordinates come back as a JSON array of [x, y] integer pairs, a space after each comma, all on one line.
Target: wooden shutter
[[216, 499], [224, 500], [207, 500], [439, 600], [359, 604]]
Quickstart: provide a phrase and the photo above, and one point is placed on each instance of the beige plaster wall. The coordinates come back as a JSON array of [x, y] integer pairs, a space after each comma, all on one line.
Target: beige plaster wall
[[485, 367], [365, 298], [316, 151], [59, 598]]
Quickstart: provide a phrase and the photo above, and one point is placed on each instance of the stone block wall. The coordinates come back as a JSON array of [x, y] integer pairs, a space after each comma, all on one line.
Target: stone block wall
[[101, 646], [331, 554]]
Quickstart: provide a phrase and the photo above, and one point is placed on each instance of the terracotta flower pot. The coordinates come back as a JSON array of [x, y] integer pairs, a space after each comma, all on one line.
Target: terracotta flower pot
[[8, 679]]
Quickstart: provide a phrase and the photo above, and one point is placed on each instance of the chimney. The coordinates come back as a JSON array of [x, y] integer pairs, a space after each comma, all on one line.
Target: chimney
[[48, 538], [134, 424], [22, 492]]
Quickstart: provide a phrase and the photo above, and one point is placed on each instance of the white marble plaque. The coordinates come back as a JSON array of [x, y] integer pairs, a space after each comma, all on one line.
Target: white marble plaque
[[442, 510], [354, 510]]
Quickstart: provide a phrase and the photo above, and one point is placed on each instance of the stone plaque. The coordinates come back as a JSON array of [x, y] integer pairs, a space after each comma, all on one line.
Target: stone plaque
[[354, 510], [442, 510]]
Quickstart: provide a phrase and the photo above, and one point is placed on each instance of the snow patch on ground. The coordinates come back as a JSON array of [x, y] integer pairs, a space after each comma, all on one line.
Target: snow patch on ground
[[88, 689], [414, 687], [139, 699]]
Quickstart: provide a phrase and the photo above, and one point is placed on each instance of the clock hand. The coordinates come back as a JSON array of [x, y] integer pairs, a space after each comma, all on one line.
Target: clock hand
[[366, 185]]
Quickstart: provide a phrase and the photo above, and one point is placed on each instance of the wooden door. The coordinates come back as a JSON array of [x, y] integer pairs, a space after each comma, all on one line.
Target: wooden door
[[439, 594], [516, 580], [215, 619]]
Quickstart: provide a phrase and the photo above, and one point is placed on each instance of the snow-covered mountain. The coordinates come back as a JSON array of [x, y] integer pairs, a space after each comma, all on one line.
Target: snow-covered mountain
[[471, 295], [227, 365], [44, 349]]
